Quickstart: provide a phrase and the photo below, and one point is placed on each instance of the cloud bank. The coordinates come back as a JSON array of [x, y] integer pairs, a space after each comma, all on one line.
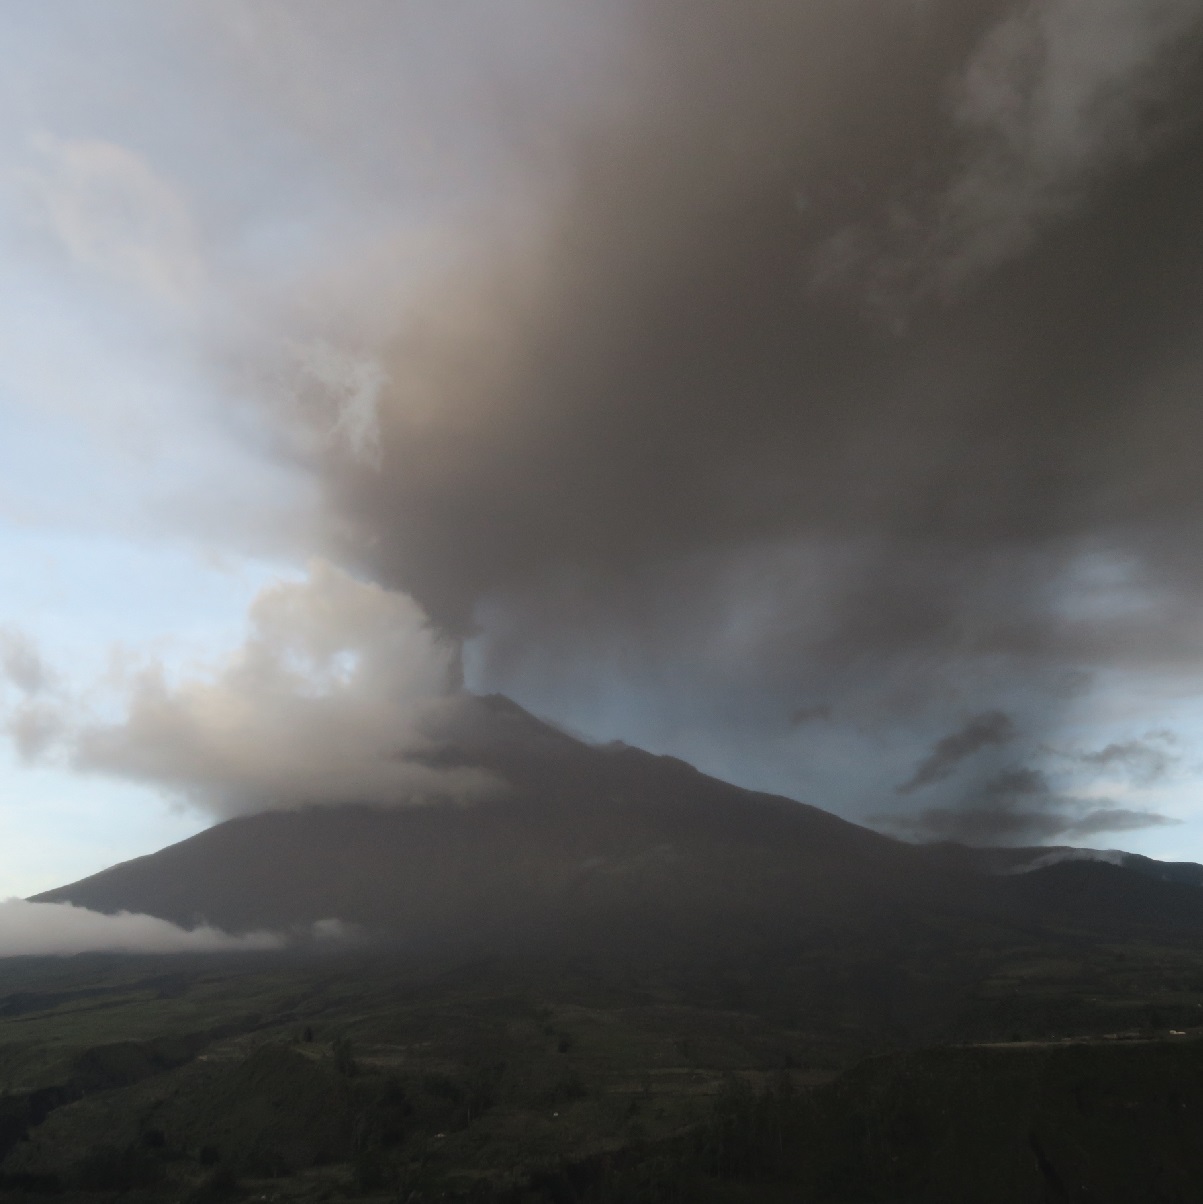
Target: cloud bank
[[325, 702], [58, 929]]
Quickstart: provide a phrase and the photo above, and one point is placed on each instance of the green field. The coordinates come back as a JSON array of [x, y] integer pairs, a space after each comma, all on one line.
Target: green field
[[376, 1077]]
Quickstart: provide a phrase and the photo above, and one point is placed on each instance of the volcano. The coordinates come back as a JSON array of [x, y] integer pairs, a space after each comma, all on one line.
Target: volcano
[[611, 847]]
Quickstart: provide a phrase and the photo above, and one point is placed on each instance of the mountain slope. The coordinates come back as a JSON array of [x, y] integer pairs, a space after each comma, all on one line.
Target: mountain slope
[[602, 846]]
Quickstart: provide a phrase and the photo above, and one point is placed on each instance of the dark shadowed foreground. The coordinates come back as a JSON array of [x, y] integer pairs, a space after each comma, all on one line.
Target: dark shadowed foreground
[[618, 980]]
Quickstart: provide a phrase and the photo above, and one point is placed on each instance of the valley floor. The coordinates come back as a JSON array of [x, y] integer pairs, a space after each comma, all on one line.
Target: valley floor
[[1053, 1071]]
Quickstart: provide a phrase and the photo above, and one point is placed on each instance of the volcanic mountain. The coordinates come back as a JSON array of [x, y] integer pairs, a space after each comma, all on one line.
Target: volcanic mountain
[[611, 847]]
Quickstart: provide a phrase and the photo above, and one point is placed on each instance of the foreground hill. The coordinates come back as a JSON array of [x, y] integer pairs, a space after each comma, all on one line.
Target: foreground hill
[[612, 847]]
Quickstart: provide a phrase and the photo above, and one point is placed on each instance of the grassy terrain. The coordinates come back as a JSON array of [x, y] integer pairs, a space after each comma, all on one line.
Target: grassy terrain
[[373, 1077]]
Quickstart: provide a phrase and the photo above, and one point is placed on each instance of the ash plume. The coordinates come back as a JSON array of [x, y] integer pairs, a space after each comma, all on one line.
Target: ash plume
[[656, 374], [853, 342], [689, 366]]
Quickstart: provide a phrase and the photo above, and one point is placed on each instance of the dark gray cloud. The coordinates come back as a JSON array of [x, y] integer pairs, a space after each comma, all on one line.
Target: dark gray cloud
[[1144, 761], [1046, 819], [1019, 806], [1115, 819], [663, 373], [816, 713], [851, 347], [981, 731]]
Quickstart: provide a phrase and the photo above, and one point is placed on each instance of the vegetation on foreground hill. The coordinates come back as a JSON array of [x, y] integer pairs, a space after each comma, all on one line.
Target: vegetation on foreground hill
[[1060, 1076]]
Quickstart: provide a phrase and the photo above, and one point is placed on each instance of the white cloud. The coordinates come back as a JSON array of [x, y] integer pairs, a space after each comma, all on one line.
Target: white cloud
[[112, 212], [40, 929], [323, 703]]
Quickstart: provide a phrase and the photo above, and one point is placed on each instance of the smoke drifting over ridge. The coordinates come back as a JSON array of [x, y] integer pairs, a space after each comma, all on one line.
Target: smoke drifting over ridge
[[855, 343], [327, 700]]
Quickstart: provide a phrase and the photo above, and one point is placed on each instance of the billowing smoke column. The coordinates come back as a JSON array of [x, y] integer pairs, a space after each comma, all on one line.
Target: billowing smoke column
[[869, 280], [849, 348]]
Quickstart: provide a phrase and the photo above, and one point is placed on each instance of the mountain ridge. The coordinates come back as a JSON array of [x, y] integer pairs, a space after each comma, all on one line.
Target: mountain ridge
[[611, 846]]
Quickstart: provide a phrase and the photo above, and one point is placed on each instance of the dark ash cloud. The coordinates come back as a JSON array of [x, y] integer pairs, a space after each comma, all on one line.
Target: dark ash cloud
[[848, 347], [663, 373], [1019, 806], [982, 731]]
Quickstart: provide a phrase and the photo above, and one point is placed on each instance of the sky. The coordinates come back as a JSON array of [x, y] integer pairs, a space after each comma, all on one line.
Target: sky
[[807, 390]]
